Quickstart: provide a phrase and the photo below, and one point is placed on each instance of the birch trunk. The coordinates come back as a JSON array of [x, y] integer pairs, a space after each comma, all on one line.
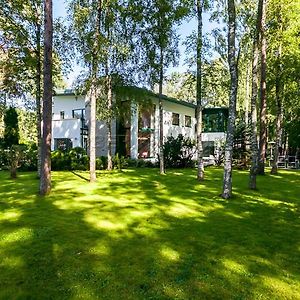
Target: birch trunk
[[232, 61], [161, 116], [109, 126], [45, 180], [200, 171], [279, 114], [254, 92], [92, 133], [93, 98], [263, 99]]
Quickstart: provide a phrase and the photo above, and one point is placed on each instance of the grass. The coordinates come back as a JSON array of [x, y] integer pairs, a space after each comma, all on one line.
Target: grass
[[138, 235]]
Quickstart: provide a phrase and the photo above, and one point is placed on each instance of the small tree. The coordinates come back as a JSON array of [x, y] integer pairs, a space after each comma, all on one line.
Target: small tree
[[11, 139], [11, 128]]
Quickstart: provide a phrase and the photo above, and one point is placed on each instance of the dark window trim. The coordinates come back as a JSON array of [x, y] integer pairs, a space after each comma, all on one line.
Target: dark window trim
[[186, 117], [174, 121]]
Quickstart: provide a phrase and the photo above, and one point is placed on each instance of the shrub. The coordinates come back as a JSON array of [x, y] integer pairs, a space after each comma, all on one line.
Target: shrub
[[101, 163], [60, 160], [119, 162], [178, 152], [78, 159], [29, 158]]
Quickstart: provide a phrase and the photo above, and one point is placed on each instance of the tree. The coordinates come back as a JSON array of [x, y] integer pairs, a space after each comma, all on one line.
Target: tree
[[200, 163], [263, 89], [232, 61], [255, 56], [45, 179], [11, 128], [11, 139], [159, 42]]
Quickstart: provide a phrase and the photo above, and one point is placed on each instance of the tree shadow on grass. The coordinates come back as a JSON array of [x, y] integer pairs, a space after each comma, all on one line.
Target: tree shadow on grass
[[142, 236]]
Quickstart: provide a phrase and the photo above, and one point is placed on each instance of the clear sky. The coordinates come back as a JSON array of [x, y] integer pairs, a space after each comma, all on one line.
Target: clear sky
[[59, 10]]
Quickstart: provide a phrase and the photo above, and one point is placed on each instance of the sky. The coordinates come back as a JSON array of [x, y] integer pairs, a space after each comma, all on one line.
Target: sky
[[186, 28]]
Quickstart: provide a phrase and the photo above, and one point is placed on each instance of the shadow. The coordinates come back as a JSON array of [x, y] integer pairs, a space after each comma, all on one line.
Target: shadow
[[80, 176], [138, 235]]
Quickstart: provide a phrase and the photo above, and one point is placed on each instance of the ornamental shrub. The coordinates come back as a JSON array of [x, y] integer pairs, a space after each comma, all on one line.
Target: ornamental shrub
[[178, 152]]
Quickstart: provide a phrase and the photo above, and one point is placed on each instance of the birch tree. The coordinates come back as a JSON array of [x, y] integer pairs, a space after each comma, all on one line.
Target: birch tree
[[263, 90], [254, 91], [159, 43], [45, 179], [232, 61]]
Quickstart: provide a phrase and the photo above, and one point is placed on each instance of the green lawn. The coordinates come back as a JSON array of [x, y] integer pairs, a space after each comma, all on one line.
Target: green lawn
[[138, 235]]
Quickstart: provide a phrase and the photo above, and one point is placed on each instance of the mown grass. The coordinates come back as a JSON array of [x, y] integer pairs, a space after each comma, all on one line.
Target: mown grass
[[138, 235]]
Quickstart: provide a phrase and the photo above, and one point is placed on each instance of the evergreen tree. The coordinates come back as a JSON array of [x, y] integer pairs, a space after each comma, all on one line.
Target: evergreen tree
[[11, 128]]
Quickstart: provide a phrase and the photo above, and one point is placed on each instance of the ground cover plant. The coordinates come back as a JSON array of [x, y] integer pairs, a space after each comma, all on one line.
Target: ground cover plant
[[138, 235]]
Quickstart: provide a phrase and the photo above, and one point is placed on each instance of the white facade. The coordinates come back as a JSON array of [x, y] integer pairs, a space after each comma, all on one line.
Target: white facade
[[69, 125], [169, 129], [64, 124]]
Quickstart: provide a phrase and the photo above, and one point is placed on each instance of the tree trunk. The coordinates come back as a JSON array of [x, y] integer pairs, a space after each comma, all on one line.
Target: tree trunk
[[161, 116], [263, 98], [45, 180], [109, 126], [38, 96], [232, 61], [254, 146], [93, 97], [92, 132], [200, 172], [279, 114]]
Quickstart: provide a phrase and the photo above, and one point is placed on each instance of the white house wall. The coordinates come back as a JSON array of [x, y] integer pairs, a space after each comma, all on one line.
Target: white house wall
[[172, 130], [101, 138], [66, 104], [101, 133], [68, 127]]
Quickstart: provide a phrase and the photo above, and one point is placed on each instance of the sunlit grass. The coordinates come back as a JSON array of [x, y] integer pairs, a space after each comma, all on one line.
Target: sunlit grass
[[138, 235]]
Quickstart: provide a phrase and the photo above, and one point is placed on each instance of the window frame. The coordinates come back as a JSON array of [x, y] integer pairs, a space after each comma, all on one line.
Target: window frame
[[189, 119], [175, 121]]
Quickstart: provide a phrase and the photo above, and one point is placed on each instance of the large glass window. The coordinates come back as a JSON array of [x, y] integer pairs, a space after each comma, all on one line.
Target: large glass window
[[62, 144], [215, 119], [188, 121], [78, 113], [208, 148], [175, 119]]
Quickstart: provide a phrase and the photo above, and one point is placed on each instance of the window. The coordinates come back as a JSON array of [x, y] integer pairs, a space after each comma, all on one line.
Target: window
[[208, 148], [188, 121], [78, 113], [62, 115], [175, 119], [62, 144], [215, 119]]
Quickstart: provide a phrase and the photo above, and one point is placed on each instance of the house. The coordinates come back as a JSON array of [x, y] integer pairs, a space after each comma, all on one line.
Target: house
[[136, 135]]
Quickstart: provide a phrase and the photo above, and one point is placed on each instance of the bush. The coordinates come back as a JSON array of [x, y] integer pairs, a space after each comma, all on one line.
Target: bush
[[101, 163], [78, 159], [60, 160], [29, 158], [178, 152], [119, 162]]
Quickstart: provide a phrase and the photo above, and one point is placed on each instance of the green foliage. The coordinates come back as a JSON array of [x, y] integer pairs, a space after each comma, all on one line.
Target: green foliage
[[101, 163], [75, 159], [178, 152], [11, 128]]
